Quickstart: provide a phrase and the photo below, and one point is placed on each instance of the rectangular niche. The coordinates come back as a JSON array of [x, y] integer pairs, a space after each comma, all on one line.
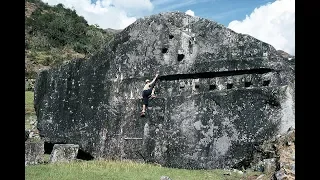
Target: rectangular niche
[[229, 86], [247, 83], [212, 87], [266, 82]]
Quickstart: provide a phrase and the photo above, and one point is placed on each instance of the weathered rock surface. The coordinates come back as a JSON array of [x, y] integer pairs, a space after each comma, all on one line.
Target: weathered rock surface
[[276, 156], [267, 165], [164, 178], [218, 94], [33, 152], [64, 153], [29, 84], [26, 135]]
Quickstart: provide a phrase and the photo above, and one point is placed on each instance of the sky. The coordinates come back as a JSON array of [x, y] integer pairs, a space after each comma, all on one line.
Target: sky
[[271, 21]]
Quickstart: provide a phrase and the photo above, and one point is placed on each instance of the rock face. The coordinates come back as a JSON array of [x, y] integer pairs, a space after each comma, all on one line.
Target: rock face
[[29, 84], [33, 152], [218, 94], [26, 135], [164, 178], [276, 156], [64, 153]]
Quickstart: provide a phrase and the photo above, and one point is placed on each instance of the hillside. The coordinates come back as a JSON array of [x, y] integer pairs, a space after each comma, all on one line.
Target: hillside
[[113, 31], [55, 34]]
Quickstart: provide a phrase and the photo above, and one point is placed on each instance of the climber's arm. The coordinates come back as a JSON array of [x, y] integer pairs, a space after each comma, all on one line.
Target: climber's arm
[[154, 79]]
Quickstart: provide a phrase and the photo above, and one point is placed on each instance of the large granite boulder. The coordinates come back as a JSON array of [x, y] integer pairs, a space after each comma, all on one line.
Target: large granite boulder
[[219, 93]]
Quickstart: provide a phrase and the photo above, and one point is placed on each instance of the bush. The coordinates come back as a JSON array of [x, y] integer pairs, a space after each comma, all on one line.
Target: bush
[[39, 42]]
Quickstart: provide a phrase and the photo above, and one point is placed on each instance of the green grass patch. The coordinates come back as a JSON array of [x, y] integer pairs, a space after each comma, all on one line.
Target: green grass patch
[[29, 109], [116, 170], [29, 106], [27, 124]]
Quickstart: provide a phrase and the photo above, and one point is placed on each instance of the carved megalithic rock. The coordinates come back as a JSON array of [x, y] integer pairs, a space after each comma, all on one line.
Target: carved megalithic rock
[[219, 93]]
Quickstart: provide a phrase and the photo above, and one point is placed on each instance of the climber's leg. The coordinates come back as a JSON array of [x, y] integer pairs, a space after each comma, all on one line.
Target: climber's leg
[[145, 96], [152, 93]]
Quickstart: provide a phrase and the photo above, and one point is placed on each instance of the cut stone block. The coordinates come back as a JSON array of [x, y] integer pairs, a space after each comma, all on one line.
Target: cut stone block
[[33, 152], [64, 153]]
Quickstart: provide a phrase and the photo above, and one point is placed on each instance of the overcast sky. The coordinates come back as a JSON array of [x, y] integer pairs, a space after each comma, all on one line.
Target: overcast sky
[[272, 21]]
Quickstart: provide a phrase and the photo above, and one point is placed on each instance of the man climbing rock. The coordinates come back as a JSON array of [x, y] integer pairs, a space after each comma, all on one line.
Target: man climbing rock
[[148, 92]]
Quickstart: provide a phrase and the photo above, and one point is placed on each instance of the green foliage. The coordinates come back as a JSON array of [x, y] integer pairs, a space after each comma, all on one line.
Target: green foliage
[[60, 26], [55, 34], [124, 171], [39, 42]]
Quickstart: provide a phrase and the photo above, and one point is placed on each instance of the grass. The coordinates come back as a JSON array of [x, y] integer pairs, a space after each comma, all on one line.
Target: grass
[[29, 108], [116, 170]]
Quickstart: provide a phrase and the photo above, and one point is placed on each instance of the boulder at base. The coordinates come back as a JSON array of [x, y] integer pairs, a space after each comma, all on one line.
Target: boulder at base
[[64, 153], [34, 152]]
